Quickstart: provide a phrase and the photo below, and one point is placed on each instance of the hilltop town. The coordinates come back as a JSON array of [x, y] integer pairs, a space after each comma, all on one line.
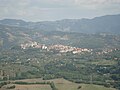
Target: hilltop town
[[58, 47]]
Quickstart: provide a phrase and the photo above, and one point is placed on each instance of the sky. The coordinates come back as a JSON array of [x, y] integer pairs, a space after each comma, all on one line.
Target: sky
[[51, 10]]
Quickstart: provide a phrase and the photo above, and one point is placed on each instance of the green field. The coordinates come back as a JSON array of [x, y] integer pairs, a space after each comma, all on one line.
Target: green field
[[104, 62], [94, 87], [63, 84], [83, 87]]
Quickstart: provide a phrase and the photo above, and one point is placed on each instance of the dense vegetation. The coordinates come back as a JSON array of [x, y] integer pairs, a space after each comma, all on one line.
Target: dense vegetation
[[80, 68]]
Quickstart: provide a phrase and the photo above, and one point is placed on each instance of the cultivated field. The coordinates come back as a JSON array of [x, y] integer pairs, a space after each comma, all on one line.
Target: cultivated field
[[74, 86], [29, 87], [61, 84], [32, 87]]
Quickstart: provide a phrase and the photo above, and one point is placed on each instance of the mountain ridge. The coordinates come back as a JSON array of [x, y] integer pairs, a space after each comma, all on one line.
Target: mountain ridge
[[14, 32], [107, 23]]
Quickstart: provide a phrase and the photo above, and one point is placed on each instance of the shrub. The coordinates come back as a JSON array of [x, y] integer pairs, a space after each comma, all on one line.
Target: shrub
[[2, 84], [107, 85], [79, 87], [11, 87]]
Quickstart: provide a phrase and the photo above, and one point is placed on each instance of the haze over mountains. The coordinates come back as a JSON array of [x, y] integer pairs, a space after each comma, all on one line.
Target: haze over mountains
[[106, 24], [68, 32], [79, 50]]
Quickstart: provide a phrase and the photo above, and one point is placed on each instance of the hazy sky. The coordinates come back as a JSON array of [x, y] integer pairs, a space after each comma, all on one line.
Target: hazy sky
[[42, 10]]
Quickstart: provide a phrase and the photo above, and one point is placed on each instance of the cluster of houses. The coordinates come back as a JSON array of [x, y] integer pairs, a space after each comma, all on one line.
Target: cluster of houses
[[59, 47], [33, 45], [74, 50], [107, 50]]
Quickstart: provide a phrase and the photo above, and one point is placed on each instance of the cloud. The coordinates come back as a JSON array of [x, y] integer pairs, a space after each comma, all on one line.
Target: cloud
[[56, 9], [97, 1], [97, 4]]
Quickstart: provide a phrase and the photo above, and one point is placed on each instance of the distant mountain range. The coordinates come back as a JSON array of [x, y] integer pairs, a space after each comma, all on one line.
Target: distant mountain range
[[106, 24], [75, 32]]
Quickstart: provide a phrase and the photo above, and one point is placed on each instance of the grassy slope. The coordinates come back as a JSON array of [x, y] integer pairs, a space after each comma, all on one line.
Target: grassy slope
[[94, 87], [84, 87], [63, 84]]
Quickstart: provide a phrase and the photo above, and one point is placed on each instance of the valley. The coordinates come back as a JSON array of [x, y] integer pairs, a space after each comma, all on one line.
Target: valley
[[60, 55]]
